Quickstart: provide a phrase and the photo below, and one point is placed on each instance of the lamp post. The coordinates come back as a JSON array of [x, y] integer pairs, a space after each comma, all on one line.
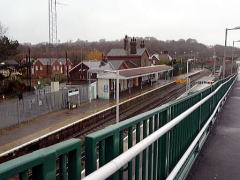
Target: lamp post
[[225, 46], [188, 82], [214, 60], [233, 55]]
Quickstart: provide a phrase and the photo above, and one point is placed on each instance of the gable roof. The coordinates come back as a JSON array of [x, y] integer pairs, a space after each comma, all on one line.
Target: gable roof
[[123, 52], [63, 60], [45, 61], [155, 56], [95, 66], [116, 63], [98, 66], [50, 61]]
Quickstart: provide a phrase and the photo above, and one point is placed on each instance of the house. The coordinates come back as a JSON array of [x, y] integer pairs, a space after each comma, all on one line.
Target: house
[[45, 67], [155, 58], [165, 56], [88, 70], [130, 53], [8, 67]]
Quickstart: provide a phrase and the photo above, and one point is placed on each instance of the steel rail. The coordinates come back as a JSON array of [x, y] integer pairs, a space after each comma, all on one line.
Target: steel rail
[[114, 165], [80, 120]]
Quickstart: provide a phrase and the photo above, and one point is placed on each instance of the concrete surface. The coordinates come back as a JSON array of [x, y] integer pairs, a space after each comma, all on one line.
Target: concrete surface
[[220, 155]]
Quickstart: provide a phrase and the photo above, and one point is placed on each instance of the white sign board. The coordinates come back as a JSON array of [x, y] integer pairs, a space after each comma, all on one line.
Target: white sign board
[[73, 92]]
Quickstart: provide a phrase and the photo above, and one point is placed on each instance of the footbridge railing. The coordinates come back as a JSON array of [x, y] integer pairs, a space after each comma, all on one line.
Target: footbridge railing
[[162, 139], [159, 144], [62, 160]]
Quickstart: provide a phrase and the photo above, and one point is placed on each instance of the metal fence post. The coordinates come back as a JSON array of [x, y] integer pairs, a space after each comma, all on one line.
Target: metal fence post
[[48, 169], [91, 158], [74, 164], [112, 150]]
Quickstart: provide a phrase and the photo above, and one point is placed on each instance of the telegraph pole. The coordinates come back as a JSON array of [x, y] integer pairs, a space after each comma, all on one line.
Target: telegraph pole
[[30, 70], [67, 67]]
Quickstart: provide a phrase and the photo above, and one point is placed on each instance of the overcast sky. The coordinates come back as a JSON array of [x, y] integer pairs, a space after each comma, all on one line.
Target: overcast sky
[[204, 20]]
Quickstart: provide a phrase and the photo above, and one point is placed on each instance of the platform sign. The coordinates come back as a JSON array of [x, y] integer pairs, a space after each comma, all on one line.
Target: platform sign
[[73, 98], [73, 92], [105, 88]]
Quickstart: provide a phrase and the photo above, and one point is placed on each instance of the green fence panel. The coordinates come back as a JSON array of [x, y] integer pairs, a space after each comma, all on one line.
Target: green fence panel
[[160, 157], [43, 163]]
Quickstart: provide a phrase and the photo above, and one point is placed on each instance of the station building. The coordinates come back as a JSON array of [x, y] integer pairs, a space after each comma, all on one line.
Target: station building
[[131, 53], [134, 64], [87, 71], [130, 79]]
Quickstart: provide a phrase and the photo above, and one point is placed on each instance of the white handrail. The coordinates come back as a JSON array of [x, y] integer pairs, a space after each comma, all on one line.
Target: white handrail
[[183, 159], [115, 164], [76, 122]]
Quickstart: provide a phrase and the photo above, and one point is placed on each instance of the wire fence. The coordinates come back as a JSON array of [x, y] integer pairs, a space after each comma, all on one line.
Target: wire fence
[[33, 105]]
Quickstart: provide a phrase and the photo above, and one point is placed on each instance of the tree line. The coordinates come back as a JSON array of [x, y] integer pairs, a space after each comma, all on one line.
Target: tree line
[[84, 50]]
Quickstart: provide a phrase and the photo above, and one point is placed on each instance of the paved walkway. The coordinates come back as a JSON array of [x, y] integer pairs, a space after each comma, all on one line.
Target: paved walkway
[[15, 136], [220, 156]]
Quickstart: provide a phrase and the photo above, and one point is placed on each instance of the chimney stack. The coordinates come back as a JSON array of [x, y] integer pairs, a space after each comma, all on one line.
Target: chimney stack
[[126, 43], [133, 46], [142, 44]]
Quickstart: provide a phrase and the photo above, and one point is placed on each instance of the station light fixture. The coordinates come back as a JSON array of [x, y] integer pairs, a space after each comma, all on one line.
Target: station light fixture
[[224, 58]]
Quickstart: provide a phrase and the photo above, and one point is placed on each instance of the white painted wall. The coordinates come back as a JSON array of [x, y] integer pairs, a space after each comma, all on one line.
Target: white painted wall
[[103, 89], [92, 91], [54, 86]]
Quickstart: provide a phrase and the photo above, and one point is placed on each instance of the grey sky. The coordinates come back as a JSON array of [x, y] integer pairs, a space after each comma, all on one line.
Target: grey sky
[[204, 20]]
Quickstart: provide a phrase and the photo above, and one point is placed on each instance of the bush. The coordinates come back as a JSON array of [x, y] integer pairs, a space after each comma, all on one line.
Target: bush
[[12, 87]]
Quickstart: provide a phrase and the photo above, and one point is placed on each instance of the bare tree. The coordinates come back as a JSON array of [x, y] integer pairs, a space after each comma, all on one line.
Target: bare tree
[[3, 30]]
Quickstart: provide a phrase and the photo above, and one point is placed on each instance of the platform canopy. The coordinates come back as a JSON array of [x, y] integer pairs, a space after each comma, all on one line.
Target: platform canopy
[[134, 72]]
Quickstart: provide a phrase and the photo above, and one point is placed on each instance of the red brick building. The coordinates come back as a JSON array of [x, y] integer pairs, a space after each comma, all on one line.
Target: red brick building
[[46, 67], [130, 53]]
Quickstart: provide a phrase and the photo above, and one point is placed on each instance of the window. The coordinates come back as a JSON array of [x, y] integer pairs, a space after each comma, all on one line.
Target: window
[[57, 68], [41, 68], [54, 68], [36, 68]]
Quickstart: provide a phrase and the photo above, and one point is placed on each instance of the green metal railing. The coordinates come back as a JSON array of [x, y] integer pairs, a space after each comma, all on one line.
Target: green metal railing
[[158, 160], [62, 160]]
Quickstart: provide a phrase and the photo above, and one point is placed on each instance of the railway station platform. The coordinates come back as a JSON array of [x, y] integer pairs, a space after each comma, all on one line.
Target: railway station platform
[[18, 135], [220, 156], [162, 143]]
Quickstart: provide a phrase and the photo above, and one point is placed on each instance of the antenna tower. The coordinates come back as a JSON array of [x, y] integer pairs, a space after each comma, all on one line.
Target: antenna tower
[[52, 15]]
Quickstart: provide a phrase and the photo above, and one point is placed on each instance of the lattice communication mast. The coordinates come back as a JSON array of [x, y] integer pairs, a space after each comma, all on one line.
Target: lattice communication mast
[[52, 12]]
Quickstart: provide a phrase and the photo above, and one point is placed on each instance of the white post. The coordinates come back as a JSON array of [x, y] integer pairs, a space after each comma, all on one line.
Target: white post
[[214, 61], [232, 57], [117, 98], [114, 89], [224, 57]]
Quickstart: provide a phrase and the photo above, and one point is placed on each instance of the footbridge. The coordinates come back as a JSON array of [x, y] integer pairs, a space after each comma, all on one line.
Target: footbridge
[[167, 142]]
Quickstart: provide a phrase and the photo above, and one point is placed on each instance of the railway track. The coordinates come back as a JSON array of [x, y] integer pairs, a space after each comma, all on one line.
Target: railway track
[[105, 118], [174, 91]]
